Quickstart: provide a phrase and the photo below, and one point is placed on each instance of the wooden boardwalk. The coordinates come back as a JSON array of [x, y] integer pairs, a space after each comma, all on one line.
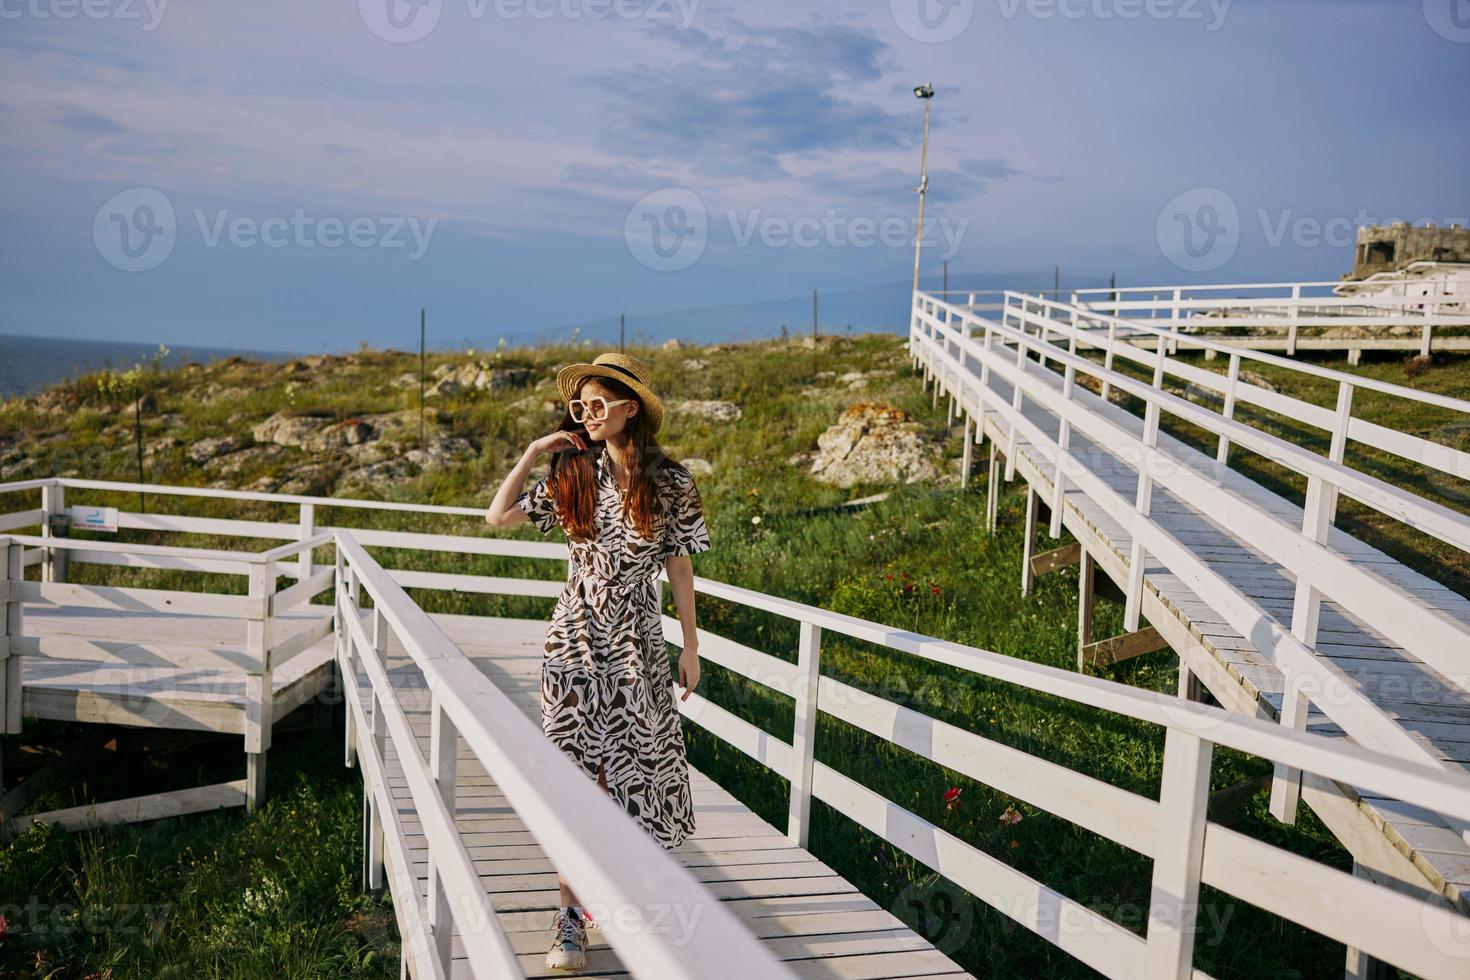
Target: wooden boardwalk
[[805, 912], [193, 698], [1393, 841]]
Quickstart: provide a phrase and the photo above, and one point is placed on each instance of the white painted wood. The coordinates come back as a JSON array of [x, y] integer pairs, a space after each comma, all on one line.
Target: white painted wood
[[22, 518], [53, 503], [259, 699], [74, 596], [443, 753], [12, 628], [1178, 855], [806, 696]]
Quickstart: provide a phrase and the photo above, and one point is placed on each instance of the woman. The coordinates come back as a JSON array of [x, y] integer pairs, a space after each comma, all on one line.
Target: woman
[[627, 510]]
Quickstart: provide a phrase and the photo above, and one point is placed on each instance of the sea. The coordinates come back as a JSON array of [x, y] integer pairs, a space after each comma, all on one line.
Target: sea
[[28, 364]]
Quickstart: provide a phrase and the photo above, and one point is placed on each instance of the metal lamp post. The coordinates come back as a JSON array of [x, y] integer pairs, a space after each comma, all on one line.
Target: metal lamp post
[[924, 93]]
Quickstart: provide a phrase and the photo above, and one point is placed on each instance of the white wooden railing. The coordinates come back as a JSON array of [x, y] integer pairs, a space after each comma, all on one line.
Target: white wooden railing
[[1033, 330], [1285, 308], [571, 818]]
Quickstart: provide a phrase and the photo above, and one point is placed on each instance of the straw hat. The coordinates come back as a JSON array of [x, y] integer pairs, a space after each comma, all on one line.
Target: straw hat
[[619, 367]]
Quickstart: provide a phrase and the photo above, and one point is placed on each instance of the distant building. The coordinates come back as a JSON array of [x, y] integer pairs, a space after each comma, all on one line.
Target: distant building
[[1391, 248], [1402, 260]]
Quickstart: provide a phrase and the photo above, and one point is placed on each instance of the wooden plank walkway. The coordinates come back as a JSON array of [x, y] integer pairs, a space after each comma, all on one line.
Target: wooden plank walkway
[[804, 911], [1435, 711], [163, 696]]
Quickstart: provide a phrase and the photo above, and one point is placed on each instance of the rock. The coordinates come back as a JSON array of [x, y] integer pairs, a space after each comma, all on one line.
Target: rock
[[160, 446], [673, 344], [718, 411], [312, 433], [207, 449], [309, 478], [238, 463], [695, 364], [264, 484], [407, 380], [873, 442], [698, 466], [448, 387], [379, 477]]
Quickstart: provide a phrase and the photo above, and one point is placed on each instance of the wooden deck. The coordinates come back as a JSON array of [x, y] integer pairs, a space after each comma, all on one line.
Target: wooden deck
[[163, 696], [1392, 841], [805, 912]]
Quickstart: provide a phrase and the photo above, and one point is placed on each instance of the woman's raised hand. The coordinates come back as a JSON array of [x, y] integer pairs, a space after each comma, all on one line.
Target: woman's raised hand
[[561, 439]]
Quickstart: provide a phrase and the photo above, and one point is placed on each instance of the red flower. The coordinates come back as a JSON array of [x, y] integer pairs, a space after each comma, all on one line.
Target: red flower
[[908, 586], [952, 798], [934, 589], [904, 574], [888, 578]]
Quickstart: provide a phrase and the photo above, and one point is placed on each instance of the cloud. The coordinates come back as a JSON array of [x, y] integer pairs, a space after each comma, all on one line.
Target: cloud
[[90, 123], [746, 98]]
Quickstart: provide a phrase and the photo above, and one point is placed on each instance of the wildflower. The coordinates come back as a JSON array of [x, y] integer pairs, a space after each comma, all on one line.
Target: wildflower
[[4, 927], [756, 519], [908, 586], [904, 574], [888, 578], [952, 798], [1015, 843], [934, 589], [1011, 816]]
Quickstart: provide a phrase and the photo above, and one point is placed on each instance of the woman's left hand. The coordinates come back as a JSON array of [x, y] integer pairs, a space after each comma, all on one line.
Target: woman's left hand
[[688, 671]]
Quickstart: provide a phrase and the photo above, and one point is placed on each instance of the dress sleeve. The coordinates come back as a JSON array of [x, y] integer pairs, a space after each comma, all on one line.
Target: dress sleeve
[[539, 506], [686, 532]]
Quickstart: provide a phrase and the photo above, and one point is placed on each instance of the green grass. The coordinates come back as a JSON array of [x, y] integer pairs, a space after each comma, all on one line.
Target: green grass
[[933, 537]]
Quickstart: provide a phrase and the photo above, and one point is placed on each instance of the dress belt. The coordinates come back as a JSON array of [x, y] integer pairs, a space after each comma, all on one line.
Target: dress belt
[[579, 573]]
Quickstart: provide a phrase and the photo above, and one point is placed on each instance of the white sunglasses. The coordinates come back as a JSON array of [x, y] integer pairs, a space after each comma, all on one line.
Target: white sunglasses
[[595, 407]]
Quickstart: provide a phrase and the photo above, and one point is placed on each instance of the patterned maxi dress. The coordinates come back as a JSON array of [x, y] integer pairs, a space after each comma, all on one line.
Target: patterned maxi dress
[[606, 687]]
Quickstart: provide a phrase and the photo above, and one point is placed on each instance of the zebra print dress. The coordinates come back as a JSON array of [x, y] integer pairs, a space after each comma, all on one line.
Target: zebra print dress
[[607, 691]]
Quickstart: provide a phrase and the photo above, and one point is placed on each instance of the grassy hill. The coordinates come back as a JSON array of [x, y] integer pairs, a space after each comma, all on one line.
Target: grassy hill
[[276, 894]]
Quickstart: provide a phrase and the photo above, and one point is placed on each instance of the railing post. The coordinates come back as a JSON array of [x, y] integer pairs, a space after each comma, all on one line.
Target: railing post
[[1294, 316], [308, 528], [1317, 518], [443, 756], [12, 569], [1178, 854], [1222, 452], [1028, 543], [53, 505], [808, 676], [346, 662], [1107, 386], [1143, 502], [375, 867], [1064, 441], [1174, 321], [259, 688], [1016, 394]]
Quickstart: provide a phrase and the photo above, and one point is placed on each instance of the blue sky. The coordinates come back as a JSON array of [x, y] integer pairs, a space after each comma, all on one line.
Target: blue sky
[[305, 176]]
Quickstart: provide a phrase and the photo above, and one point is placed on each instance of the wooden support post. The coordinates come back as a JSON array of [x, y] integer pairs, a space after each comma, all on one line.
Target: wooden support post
[[259, 689], [992, 490], [1359, 965], [308, 528], [12, 569], [443, 758], [803, 743], [1028, 543], [1016, 397], [1086, 604], [1178, 858], [376, 868], [1317, 520], [967, 458]]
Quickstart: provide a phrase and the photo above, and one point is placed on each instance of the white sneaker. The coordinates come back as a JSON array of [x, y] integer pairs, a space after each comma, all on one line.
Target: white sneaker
[[569, 942]]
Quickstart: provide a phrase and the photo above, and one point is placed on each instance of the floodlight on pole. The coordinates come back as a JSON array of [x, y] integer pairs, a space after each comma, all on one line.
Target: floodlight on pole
[[925, 94]]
